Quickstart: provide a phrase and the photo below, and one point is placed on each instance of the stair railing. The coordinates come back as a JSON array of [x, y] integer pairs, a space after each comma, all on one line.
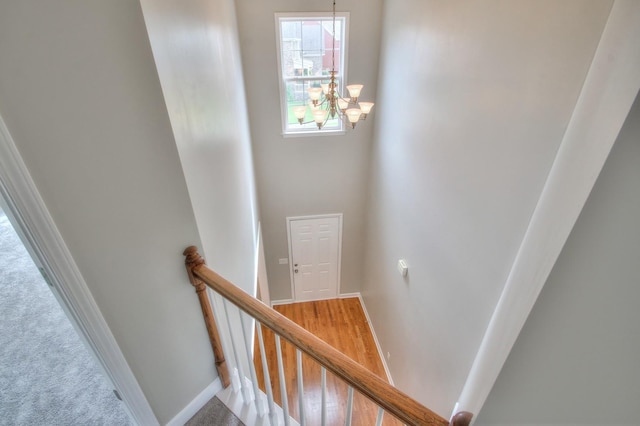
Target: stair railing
[[387, 397]]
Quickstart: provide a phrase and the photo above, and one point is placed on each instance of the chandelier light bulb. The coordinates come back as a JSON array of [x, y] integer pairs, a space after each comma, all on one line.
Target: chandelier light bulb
[[319, 116], [366, 107], [343, 103], [354, 91], [315, 93], [300, 112], [353, 114]]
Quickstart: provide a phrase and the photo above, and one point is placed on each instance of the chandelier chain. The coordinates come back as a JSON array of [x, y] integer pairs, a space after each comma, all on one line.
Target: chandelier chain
[[333, 39]]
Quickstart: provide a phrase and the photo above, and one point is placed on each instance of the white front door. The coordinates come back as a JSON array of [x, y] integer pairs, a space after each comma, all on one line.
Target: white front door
[[315, 256]]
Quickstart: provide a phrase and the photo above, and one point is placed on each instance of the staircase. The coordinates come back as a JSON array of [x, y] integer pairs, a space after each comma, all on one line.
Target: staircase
[[238, 314]]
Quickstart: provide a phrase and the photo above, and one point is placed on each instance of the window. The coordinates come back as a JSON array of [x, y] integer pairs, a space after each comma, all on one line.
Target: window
[[305, 58]]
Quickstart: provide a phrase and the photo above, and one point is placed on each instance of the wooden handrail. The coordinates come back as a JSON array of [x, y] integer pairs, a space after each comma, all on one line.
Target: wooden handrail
[[379, 391]]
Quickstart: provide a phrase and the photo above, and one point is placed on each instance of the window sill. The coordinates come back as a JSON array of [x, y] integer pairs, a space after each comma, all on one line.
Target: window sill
[[312, 134]]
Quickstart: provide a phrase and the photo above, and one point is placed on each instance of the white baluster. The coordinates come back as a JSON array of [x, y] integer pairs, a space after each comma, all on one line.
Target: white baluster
[[323, 403], [349, 407], [267, 378], [246, 393], [283, 385], [252, 368], [217, 309], [380, 414], [300, 387]]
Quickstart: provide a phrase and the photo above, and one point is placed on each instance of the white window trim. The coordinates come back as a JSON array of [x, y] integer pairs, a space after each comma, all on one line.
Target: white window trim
[[281, 83]]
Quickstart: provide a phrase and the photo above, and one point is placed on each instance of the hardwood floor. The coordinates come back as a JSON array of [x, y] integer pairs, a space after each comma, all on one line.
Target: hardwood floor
[[342, 324]]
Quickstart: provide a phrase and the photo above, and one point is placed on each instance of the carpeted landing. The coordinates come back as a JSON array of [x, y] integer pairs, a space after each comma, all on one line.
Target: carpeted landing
[[47, 376], [214, 413]]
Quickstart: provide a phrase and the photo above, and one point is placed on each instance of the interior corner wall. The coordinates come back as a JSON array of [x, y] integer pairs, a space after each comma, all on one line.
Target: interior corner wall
[[575, 361], [298, 176], [80, 95], [490, 87]]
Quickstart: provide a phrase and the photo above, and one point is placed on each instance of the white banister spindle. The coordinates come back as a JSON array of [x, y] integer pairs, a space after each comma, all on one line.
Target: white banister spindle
[[283, 385], [323, 402], [218, 301], [267, 377], [380, 415], [300, 387], [349, 407], [252, 368], [243, 385]]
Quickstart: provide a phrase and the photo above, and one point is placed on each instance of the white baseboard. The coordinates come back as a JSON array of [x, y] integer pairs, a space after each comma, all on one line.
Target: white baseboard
[[198, 402], [282, 302], [290, 301], [348, 295], [375, 338]]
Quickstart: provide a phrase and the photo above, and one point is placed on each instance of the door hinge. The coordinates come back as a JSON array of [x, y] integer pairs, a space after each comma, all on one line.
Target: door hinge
[[117, 394], [45, 276]]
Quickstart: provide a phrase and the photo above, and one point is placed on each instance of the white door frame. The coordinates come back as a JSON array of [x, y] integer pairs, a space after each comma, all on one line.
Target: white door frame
[[42, 239], [318, 216]]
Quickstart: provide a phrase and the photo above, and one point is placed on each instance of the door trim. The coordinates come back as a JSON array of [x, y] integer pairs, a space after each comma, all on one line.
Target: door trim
[[339, 266], [43, 241]]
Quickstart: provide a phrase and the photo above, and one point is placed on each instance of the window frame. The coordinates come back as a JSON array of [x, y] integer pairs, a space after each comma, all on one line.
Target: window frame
[[291, 130]]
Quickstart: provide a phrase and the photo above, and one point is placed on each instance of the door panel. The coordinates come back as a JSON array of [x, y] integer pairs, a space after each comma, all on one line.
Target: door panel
[[315, 251]]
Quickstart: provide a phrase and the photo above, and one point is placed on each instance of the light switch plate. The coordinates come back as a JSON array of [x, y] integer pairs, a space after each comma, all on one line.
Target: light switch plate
[[283, 261]]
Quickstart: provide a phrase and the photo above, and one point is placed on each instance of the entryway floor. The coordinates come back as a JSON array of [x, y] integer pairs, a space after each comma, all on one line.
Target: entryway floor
[[342, 324]]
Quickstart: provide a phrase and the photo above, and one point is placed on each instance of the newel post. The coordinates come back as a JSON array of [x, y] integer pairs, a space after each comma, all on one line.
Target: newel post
[[463, 418], [192, 260]]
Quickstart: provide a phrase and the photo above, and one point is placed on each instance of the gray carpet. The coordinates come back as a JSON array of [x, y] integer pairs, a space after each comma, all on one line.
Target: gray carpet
[[47, 377], [214, 413]]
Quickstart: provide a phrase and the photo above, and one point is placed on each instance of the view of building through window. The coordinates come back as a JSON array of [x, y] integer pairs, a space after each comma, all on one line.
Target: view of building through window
[[308, 53]]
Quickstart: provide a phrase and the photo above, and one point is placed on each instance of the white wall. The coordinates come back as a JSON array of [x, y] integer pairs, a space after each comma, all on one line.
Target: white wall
[[80, 95], [195, 45], [575, 361], [307, 175], [452, 191]]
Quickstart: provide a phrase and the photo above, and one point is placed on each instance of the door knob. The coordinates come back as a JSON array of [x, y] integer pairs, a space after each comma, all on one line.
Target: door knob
[[295, 270]]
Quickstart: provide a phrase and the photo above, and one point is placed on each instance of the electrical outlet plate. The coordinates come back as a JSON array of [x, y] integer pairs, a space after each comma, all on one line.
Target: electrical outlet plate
[[403, 268]]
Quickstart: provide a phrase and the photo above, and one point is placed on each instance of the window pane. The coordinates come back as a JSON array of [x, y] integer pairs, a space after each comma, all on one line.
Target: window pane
[[307, 47]]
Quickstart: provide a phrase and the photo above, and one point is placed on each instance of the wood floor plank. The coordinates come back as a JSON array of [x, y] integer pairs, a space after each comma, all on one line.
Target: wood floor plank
[[342, 324]]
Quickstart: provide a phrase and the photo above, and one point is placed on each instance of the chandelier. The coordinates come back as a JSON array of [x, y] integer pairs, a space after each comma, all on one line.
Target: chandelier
[[327, 102]]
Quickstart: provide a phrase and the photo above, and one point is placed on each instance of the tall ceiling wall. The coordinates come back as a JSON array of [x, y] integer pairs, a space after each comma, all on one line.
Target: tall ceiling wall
[[575, 361], [490, 87], [314, 174], [195, 47]]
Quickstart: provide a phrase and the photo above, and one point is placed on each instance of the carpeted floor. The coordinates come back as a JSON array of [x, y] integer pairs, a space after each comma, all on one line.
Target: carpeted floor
[[214, 413], [47, 377]]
